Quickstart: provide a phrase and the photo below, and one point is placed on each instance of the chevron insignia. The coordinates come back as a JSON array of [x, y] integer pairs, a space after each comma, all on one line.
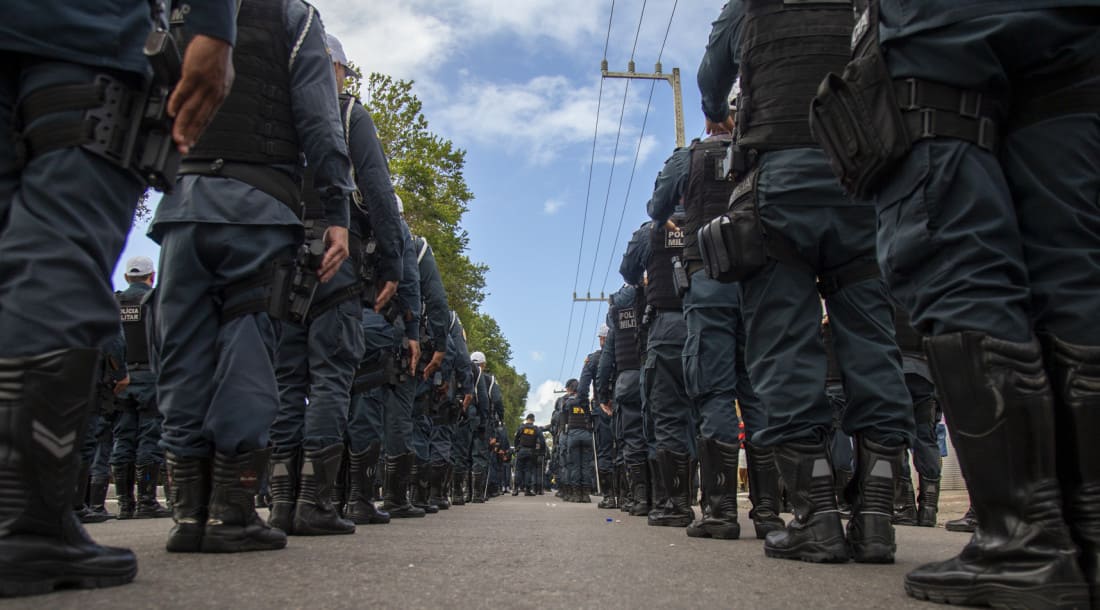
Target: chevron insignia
[[60, 447]]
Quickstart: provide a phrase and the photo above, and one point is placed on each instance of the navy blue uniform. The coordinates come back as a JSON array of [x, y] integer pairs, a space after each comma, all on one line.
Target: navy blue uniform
[[798, 196], [217, 385], [993, 246]]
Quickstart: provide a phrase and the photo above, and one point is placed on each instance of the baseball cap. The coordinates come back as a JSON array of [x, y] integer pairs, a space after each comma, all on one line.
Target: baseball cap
[[603, 331], [477, 358], [139, 265], [336, 50]]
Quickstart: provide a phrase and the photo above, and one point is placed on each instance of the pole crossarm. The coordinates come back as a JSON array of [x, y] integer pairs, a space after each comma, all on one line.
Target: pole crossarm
[[672, 79]]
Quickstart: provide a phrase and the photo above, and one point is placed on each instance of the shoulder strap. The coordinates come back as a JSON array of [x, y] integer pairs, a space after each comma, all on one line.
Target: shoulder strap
[[423, 250]]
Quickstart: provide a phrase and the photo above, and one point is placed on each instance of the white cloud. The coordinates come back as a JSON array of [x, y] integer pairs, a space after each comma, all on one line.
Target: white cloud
[[552, 206], [540, 400], [537, 356]]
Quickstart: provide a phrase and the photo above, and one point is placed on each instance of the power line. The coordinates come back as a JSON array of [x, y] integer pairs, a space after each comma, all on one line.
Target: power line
[[638, 151], [610, 183], [584, 219]]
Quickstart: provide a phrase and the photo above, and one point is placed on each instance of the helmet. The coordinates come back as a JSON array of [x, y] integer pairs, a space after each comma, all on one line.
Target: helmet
[[477, 358], [603, 331]]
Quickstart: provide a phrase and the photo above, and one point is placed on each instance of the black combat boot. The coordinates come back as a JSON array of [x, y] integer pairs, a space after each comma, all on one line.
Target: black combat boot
[[97, 500], [44, 405], [283, 479], [437, 479], [478, 492], [584, 494], [166, 482], [870, 531], [763, 490], [147, 505], [458, 487], [622, 486], [658, 497], [999, 401], [642, 490], [815, 534], [80, 494], [232, 525], [422, 488], [398, 469], [124, 489], [928, 502], [190, 491], [361, 470], [904, 507], [966, 523], [1075, 376], [340, 486], [448, 483], [676, 474], [718, 463], [609, 486], [314, 513], [841, 479]]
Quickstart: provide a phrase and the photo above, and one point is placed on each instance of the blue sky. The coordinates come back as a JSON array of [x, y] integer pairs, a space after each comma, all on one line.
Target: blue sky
[[515, 83]]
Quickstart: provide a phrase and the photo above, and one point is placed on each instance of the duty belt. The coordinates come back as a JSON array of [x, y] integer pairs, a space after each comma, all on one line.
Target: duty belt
[[270, 180], [932, 110]]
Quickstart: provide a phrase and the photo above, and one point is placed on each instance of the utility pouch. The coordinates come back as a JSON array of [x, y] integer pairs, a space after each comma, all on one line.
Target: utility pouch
[[375, 374], [733, 245], [856, 116], [304, 282]]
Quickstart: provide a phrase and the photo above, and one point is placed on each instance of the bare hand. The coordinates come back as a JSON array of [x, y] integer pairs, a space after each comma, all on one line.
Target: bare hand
[[725, 126], [121, 385], [336, 252], [671, 226], [414, 356], [469, 398], [606, 408], [205, 79], [384, 295], [433, 366]]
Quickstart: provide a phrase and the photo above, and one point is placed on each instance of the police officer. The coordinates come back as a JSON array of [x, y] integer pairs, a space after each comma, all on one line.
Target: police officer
[[370, 424], [136, 456], [578, 439], [446, 446], [988, 238], [490, 410], [527, 442], [66, 204], [560, 421], [715, 373], [819, 245], [650, 254], [619, 376], [926, 449], [431, 388], [601, 428], [94, 474], [229, 234]]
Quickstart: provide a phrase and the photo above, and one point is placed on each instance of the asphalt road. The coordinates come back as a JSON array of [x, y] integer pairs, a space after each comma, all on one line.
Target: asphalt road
[[522, 552]]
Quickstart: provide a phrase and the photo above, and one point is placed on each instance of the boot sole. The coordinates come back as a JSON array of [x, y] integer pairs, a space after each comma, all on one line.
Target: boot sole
[[965, 530], [671, 522], [718, 532], [808, 556], [235, 545], [1047, 597], [12, 586]]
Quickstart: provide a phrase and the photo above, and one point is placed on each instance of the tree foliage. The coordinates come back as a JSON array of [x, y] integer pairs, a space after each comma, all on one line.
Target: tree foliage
[[427, 172]]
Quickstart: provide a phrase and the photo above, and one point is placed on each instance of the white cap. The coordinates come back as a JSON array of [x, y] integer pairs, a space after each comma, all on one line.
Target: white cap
[[336, 50], [139, 265], [603, 331], [477, 358]]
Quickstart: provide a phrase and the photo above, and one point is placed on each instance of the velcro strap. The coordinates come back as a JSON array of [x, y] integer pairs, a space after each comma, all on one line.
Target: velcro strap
[[934, 110], [245, 297], [835, 280], [62, 98]]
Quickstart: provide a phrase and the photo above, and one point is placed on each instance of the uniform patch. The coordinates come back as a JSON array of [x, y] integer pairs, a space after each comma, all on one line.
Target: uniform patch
[[627, 319], [674, 239], [130, 313]]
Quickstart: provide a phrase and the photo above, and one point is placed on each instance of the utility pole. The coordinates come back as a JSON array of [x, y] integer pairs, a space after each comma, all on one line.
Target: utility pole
[[672, 79]]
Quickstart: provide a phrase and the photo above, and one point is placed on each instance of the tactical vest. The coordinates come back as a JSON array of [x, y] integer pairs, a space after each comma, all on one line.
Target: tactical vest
[[625, 340], [708, 190], [909, 340], [528, 436], [660, 291], [133, 327], [576, 414], [255, 124], [788, 46]]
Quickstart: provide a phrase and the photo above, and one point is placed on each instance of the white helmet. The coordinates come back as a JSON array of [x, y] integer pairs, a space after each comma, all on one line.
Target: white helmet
[[477, 358], [603, 331]]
